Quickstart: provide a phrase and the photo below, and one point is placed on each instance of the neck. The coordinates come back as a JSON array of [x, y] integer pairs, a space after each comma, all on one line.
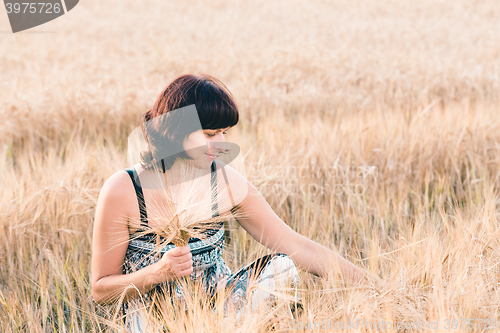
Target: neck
[[184, 170], [175, 170]]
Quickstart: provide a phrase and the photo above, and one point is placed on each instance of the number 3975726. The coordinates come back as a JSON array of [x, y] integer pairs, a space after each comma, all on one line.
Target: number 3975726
[[33, 8]]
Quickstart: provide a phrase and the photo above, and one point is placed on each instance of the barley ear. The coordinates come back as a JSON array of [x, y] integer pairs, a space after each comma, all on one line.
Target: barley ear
[[181, 239]]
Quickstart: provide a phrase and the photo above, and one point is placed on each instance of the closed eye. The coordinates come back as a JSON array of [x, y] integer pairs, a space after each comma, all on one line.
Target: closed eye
[[211, 135]]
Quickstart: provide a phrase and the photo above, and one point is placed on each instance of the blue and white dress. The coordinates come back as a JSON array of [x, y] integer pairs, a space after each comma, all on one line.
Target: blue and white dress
[[250, 286]]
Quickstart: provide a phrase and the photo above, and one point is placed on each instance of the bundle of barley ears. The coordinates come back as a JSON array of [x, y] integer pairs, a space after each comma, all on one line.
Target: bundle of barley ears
[[191, 214]]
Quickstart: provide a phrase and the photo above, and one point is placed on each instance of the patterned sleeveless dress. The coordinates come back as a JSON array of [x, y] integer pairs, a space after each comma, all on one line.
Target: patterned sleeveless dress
[[269, 272]]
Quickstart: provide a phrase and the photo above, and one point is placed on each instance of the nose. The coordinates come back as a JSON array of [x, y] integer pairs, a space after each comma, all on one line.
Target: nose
[[218, 144]]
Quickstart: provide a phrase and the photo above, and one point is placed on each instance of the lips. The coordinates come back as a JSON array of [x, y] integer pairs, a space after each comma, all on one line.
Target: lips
[[213, 157]]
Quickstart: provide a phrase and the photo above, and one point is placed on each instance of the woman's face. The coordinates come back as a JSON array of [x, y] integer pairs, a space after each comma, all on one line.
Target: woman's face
[[203, 146]]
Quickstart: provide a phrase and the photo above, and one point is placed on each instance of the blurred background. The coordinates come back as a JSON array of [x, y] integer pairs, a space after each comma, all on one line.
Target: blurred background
[[390, 108]]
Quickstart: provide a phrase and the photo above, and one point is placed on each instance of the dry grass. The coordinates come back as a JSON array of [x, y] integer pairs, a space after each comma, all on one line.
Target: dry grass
[[404, 92]]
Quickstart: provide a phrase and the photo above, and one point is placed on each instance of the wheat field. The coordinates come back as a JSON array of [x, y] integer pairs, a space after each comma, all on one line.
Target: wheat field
[[371, 127]]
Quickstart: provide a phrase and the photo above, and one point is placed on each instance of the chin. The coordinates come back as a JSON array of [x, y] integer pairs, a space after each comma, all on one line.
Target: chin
[[203, 163]]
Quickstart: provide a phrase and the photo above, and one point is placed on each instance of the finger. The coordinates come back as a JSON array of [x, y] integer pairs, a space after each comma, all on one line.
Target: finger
[[185, 272], [184, 250], [180, 251], [185, 265], [182, 259]]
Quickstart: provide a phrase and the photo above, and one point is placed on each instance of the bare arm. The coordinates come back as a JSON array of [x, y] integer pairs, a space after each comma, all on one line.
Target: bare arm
[[110, 242], [266, 227]]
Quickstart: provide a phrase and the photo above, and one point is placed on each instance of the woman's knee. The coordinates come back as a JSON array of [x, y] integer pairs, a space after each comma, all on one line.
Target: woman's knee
[[283, 265]]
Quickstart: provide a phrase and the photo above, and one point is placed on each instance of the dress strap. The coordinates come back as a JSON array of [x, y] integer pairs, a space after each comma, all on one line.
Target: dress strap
[[140, 196], [213, 178]]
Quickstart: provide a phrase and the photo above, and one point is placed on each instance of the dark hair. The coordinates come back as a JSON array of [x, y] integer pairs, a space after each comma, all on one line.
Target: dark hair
[[215, 106]]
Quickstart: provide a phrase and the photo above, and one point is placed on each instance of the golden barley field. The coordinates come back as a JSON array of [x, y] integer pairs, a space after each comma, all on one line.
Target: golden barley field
[[371, 127]]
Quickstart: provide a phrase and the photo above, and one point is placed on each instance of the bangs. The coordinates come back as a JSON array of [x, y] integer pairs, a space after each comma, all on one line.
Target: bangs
[[215, 105]]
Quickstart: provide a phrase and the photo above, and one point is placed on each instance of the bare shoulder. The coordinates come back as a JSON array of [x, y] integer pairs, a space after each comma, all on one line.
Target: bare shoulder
[[116, 195], [118, 185]]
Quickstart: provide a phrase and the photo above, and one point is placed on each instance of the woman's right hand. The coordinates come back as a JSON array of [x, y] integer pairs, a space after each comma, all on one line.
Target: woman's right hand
[[174, 264]]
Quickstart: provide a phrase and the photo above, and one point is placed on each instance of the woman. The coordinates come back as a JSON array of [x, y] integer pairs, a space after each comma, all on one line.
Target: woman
[[123, 263]]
